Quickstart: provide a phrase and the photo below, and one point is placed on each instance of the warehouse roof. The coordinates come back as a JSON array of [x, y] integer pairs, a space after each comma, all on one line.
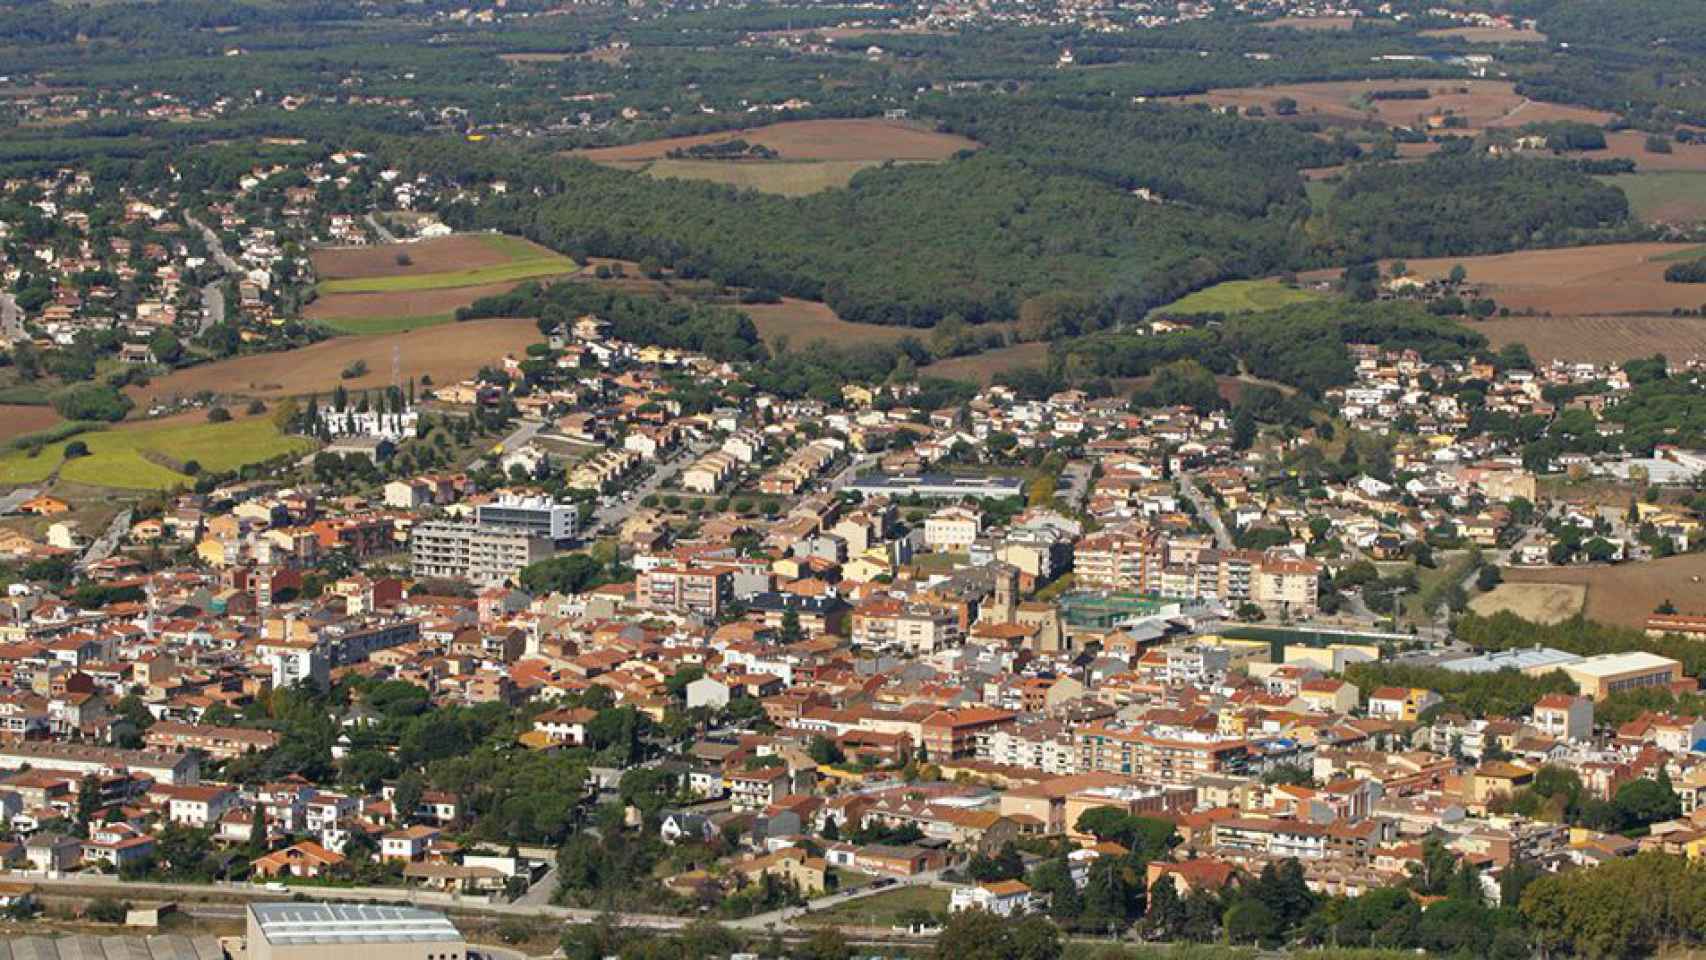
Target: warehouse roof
[[297, 924]]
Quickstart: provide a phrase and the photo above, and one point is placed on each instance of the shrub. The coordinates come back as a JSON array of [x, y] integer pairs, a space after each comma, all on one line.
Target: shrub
[[92, 401], [404, 260], [256, 407], [1688, 271], [354, 370], [106, 910], [75, 449], [218, 415]]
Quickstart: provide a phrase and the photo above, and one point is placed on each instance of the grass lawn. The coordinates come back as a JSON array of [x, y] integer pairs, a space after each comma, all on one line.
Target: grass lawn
[[882, 909], [527, 268], [369, 326], [1239, 296], [140, 457]]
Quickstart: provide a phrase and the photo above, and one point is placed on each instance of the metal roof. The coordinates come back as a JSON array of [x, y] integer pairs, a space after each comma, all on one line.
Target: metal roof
[[349, 924]]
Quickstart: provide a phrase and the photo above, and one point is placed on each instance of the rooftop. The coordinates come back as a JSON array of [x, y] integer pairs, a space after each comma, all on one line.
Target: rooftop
[[297, 924]]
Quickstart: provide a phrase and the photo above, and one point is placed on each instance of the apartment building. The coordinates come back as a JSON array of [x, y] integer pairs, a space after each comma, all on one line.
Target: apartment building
[[459, 550], [684, 590], [536, 516], [1175, 758]]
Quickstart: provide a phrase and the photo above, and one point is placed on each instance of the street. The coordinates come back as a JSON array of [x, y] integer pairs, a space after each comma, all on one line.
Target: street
[[212, 306], [215, 249], [385, 236], [617, 512], [11, 319], [1206, 510], [103, 547]]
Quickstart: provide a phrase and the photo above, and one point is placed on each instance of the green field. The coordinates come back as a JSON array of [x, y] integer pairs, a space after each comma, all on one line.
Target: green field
[[1239, 296], [789, 178], [140, 457], [528, 268], [883, 909], [1671, 196], [369, 326]]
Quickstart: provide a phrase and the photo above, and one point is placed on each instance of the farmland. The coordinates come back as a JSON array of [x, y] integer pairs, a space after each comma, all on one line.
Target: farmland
[[151, 456], [1632, 145], [1600, 339], [802, 321], [1574, 281], [789, 178], [1315, 24], [1482, 103], [983, 366], [884, 909], [1627, 593], [19, 419], [447, 353], [1676, 197], [1489, 34], [392, 288], [813, 155], [1236, 296]]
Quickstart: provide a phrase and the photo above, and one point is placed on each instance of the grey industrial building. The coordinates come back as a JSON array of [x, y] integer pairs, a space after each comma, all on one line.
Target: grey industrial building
[[334, 931]]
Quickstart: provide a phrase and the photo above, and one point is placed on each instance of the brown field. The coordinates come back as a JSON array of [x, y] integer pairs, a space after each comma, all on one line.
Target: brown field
[[1633, 145], [1540, 602], [1311, 23], [19, 419], [398, 303], [1574, 281], [464, 252], [1627, 593], [803, 321], [1600, 339], [1489, 34], [447, 353], [982, 367], [868, 139], [1483, 103]]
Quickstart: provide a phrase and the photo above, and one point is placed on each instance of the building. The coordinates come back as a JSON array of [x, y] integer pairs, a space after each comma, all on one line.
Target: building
[[686, 591], [952, 529], [536, 516], [1004, 898], [1534, 661], [1564, 717], [937, 486], [1609, 673], [80, 760], [328, 931], [456, 550]]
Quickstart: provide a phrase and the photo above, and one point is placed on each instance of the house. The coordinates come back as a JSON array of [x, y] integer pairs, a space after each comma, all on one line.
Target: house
[[52, 852], [410, 843], [305, 860], [1004, 898], [810, 874], [685, 827], [117, 845]]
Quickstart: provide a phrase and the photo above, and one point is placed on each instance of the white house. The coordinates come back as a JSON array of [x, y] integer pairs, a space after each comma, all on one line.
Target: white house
[[1004, 898]]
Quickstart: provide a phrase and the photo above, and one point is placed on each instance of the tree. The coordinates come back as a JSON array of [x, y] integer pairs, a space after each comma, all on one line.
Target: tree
[[1249, 920], [1166, 910], [1459, 273], [218, 415], [407, 798], [1487, 578], [791, 630], [1647, 801], [978, 935], [106, 910], [1005, 865], [75, 449], [825, 752], [826, 944]]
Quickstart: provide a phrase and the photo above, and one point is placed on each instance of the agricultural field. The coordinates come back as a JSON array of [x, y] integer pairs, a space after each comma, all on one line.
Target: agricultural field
[[366, 291], [1482, 103], [447, 353], [17, 419], [982, 367], [803, 321], [1314, 24], [1574, 281], [1676, 197], [1489, 34], [1239, 296], [1632, 144], [151, 456], [1601, 339], [813, 155], [462, 252], [1627, 593], [789, 178], [1539, 602]]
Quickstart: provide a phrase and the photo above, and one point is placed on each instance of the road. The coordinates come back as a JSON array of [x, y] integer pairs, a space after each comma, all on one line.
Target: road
[[212, 306], [215, 249], [850, 472], [617, 513], [1077, 477], [1206, 510], [103, 547], [783, 917], [385, 236], [12, 501], [520, 437], [11, 319]]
